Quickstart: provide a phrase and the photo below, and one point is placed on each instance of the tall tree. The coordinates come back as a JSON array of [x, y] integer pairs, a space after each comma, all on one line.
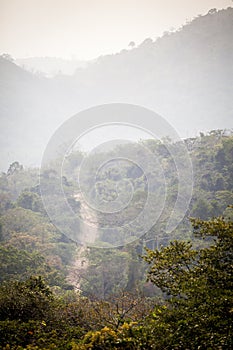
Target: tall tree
[[200, 289]]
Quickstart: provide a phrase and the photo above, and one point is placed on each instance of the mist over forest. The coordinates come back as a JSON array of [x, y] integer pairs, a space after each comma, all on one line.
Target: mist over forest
[[129, 246], [185, 76]]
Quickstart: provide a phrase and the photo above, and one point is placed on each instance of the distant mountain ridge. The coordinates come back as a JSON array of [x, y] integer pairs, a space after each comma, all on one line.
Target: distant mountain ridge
[[185, 76], [50, 66]]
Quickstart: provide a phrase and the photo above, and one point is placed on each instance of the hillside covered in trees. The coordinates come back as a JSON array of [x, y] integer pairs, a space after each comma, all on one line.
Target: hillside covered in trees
[[128, 246], [158, 292], [185, 76]]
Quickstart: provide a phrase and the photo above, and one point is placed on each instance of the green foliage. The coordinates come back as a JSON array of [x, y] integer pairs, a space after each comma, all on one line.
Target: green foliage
[[37, 335], [19, 220], [29, 300], [196, 314], [106, 272], [32, 317], [30, 200], [31, 245], [5, 202], [18, 179], [200, 286], [18, 264], [190, 306], [126, 337]]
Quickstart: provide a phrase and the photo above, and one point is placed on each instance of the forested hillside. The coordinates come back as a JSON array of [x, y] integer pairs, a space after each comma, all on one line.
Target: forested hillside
[[159, 291], [186, 76], [130, 245]]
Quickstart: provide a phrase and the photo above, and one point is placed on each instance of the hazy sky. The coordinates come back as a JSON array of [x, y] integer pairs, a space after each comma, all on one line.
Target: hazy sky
[[89, 28]]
